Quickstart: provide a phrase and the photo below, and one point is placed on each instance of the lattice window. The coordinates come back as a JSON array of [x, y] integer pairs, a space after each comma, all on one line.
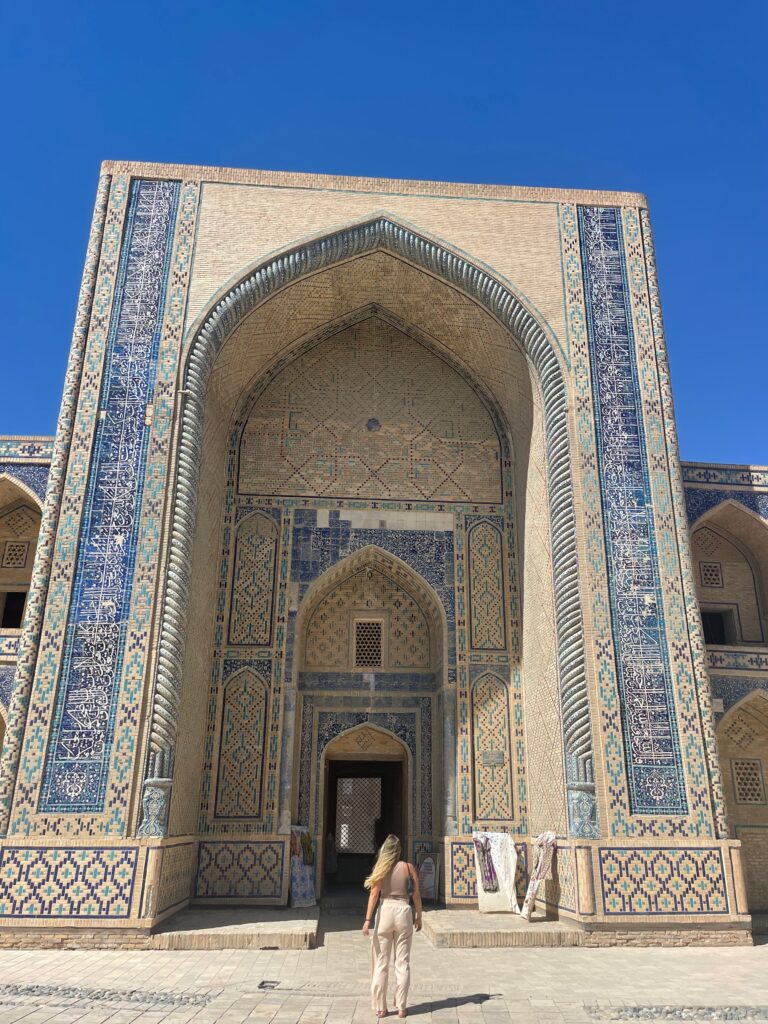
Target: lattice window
[[748, 781], [711, 574], [15, 554], [358, 807], [368, 643]]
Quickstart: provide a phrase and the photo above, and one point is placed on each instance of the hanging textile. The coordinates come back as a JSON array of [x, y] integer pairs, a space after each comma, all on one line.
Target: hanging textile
[[495, 866], [302, 868], [544, 848]]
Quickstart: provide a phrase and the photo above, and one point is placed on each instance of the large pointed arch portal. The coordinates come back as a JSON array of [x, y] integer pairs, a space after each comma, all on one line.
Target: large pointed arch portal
[[497, 299]]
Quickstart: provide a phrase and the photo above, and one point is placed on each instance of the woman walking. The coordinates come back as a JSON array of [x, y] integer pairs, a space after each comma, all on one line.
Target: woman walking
[[395, 881]]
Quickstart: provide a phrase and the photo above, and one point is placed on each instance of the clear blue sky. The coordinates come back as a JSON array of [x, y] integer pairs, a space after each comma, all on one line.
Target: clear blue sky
[[664, 98]]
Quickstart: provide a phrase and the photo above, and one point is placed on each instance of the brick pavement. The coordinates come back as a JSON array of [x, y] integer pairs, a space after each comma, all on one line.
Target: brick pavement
[[328, 985]]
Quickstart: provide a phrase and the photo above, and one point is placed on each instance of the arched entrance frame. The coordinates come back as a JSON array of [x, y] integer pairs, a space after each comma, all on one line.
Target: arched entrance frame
[[749, 533], [429, 602], [330, 753], [753, 835], [497, 298]]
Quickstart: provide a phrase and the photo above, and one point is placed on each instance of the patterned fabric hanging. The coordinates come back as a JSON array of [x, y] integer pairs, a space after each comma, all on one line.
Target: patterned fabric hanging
[[488, 878], [544, 849]]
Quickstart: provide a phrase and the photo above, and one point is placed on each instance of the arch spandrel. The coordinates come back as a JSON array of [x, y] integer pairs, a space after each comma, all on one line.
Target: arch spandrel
[[382, 237]]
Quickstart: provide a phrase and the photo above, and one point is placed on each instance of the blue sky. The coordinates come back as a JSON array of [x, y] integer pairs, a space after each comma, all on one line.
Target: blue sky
[[664, 98]]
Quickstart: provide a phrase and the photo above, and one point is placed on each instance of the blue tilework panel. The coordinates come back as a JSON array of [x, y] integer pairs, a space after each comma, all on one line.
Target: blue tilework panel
[[411, 682], [67, 883], [9, 645], [731, 689], [34, 476], [699, 500], [652, 750], [7, 673], [77, 762], [663, 881], [247, 870], [21, 448]]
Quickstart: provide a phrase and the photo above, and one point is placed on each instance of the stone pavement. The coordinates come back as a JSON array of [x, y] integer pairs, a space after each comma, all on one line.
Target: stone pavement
[[328, 985]]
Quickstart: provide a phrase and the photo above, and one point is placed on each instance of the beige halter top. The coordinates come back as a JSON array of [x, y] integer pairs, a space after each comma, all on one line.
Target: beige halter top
[[394, 886]]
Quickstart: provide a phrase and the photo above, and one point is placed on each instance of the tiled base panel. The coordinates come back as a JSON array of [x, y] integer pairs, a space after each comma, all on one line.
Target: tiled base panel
[[113, 895]]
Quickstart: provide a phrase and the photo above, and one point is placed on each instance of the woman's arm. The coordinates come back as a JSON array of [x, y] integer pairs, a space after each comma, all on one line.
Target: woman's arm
[[416, 896], [373, 899]]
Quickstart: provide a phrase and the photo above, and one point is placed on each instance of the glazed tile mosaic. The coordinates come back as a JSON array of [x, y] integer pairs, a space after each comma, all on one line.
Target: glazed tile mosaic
[[67, 883], [654, 761], [663, 881], [78, 758]]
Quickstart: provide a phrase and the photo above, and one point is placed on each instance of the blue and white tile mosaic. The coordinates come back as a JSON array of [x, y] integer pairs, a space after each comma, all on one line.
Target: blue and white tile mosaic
[[7, 673], [731, 689], [699, 500], [78, 755], [34, 476], [652, 750]]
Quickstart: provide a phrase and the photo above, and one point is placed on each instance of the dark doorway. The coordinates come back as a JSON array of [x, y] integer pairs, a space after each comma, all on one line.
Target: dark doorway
[[364, 803]]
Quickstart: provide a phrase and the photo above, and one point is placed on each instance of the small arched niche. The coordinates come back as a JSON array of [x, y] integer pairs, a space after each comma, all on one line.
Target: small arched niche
[[742, 738], [730, 555], [19, 529]]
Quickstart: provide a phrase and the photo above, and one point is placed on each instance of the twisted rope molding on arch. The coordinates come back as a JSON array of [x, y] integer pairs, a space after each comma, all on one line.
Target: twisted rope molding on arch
[[339, 247]]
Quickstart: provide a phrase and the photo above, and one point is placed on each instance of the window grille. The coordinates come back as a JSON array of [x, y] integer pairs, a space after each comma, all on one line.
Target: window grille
[[711, 574], [15, 554], [358, 807], [748, 781], [368, 643]]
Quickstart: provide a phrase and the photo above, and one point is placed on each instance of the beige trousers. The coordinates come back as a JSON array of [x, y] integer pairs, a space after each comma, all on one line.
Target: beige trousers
[[393, 931]]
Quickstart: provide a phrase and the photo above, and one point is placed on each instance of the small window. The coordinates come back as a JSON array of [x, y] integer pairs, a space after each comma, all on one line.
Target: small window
[[748, 781], [711, 574], [12, 604], [368, 643]]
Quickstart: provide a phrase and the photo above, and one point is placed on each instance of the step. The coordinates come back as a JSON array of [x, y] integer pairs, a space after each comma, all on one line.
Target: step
[[469, 929], [239, 928]]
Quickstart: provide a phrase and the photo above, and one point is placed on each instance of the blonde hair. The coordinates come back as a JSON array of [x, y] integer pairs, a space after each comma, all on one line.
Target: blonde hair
[[388, 856]]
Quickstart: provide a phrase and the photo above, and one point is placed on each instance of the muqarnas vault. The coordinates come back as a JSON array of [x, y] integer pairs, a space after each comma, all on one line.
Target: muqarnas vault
[[364, 514]]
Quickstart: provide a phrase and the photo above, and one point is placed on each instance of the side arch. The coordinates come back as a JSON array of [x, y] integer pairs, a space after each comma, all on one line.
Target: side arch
[[497, 299]]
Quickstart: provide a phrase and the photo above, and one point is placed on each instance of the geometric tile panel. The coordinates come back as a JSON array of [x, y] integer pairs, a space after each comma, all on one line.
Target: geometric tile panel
[[7, 673], [20, 522], [62, 883], [247, 870], [370, 413], [663, 881], [406, 640], [81, 737], [492, 761], [241, 751], [652, 748], [486, 588], [253, 586], [699, 500]]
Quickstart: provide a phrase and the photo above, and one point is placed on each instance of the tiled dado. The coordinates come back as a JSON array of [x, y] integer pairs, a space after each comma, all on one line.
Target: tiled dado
[[663, 880], [70, 883], [253, 870]]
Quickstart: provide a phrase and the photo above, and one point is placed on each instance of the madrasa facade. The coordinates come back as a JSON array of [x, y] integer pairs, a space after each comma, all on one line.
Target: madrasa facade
[[365, 513]]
